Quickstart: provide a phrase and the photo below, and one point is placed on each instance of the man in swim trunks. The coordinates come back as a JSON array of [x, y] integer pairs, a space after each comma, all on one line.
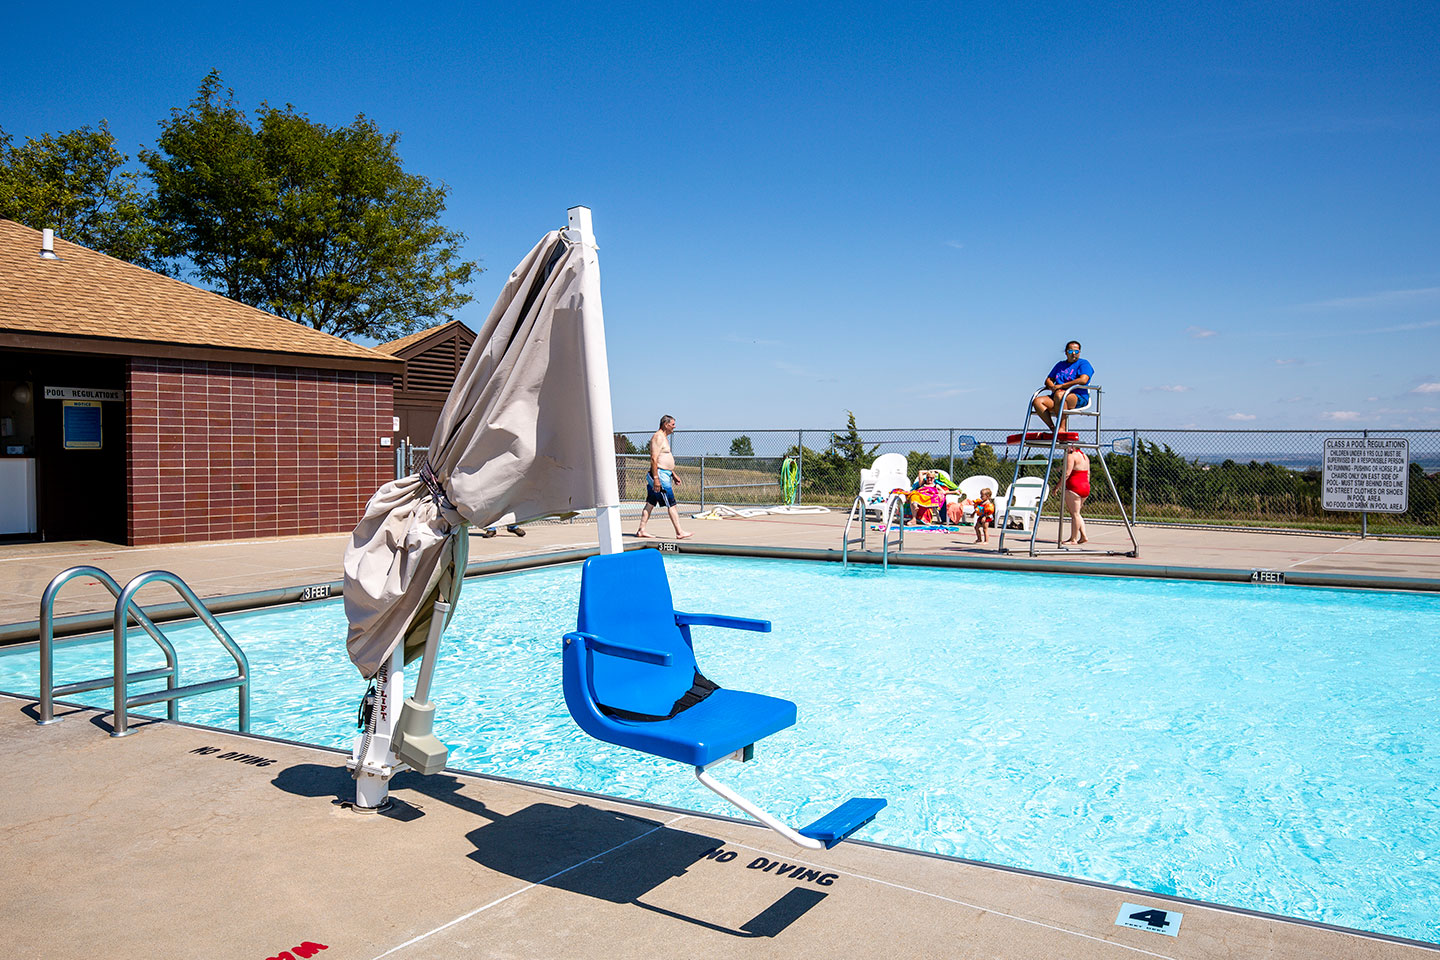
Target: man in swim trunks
[[1072, 371], [661, 481]]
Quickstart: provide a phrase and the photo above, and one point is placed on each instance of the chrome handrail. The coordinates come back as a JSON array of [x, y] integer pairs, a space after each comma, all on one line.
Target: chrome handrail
[[123, 605], [894, 519], [48, 690], [857, 508]]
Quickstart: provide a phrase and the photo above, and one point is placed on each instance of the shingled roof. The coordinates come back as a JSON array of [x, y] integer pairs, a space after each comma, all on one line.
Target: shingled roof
[[86, 295], [395, 347]]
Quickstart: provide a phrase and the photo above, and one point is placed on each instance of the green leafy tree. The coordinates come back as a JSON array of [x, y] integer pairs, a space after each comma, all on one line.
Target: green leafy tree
[[73, 183], [318, 224], [741, 446]]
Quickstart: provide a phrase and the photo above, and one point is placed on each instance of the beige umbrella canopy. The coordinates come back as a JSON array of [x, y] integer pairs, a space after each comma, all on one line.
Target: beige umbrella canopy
[[510, 446]]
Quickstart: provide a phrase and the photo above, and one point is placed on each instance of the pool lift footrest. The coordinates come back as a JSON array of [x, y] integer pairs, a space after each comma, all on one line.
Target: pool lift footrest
[[822, 834]]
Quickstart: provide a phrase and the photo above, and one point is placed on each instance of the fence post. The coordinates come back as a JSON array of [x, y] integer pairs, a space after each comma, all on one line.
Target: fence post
[[799, 467], [399, 458], [1134, 476], [1364, 515], [702, 482], [952, 454]]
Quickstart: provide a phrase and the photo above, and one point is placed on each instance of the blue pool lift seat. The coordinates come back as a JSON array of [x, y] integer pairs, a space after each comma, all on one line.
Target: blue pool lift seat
[[631, 679]]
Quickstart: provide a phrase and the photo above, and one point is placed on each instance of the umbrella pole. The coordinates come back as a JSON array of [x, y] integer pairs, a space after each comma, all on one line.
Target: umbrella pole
[[374, 770], [597, 386]]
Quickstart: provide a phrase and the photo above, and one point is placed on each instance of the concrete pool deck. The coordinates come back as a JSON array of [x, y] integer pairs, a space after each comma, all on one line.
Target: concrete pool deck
[[187, 841]]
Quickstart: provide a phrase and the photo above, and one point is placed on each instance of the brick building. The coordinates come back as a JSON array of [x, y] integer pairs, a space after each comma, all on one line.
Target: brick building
[[136, 408], [432, 361]]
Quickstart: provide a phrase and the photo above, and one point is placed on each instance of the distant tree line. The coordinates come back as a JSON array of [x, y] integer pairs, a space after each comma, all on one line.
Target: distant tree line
[[318, 224]]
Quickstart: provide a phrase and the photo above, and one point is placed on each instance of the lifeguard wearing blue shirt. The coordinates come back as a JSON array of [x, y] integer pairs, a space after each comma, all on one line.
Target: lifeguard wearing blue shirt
[[1070, 372]]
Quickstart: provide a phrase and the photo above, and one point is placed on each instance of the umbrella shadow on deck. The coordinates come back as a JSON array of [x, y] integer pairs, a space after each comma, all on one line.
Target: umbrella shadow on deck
[[581, 849]]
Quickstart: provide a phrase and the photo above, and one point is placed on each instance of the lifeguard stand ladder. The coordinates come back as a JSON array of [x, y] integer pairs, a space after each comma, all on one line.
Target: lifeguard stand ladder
[[1050, 442]]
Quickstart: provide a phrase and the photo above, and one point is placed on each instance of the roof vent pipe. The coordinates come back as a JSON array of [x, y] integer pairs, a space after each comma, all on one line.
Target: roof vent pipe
[[47, 245]]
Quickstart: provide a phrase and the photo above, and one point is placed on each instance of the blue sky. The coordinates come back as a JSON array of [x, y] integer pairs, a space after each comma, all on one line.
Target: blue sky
[[902, 211]]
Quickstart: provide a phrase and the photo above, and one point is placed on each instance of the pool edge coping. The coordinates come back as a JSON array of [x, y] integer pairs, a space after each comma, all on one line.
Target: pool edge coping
[[14, 634]]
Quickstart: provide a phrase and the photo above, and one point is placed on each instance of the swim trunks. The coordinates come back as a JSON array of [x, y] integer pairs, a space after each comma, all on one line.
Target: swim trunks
[[665, 496]]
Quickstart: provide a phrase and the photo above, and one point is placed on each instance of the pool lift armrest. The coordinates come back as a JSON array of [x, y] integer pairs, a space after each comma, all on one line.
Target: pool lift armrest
[[612, 648], [720, 620], [821, 834]]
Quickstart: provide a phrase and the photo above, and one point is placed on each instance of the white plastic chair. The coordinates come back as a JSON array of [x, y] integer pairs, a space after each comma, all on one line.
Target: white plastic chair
[[970, 488], [1023, 500], [887, 473]]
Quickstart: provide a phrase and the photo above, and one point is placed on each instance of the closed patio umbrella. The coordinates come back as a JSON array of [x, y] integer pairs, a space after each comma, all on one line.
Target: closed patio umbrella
[[526, 432]]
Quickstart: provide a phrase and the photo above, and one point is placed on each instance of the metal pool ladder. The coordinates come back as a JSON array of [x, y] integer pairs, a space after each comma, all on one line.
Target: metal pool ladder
[[126, 607], [892, 517]]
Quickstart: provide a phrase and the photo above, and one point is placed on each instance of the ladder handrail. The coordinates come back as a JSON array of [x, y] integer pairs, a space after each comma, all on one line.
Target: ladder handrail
[[123, 605], [891, 511], [48, 690], [856, 508], [894, 518]]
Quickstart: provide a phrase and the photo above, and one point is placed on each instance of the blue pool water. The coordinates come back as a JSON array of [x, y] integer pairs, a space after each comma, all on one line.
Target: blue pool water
[[1265, 747]]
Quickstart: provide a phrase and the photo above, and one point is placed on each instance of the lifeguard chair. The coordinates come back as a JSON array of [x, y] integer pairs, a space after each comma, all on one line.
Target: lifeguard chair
[[1031, 444]]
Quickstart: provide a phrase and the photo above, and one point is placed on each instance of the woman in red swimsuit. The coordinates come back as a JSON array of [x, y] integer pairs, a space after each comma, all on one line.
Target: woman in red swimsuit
[[1077, 488]]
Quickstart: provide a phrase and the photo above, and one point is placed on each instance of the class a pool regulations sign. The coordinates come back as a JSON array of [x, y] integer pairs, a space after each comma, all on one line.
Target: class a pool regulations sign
[[1366, 475]]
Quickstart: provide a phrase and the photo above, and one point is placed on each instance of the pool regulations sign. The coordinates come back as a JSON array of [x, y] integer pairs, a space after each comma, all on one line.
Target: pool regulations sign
[[1366, 475]]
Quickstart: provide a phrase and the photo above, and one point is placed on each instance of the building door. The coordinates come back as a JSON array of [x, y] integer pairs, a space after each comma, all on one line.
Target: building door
[[79, 445]]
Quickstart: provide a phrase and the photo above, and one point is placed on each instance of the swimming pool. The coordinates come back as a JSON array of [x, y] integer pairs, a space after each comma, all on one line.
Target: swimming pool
[[1264, 747]]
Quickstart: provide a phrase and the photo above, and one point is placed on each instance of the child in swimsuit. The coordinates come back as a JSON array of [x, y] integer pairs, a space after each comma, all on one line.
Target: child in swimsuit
[[984, 515]]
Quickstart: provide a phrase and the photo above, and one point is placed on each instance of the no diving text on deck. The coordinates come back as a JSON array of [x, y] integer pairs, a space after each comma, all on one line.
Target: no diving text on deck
[[776, 868]]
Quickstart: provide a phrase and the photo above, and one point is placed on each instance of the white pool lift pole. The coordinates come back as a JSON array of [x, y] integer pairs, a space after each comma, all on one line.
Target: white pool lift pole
[[597, 386]]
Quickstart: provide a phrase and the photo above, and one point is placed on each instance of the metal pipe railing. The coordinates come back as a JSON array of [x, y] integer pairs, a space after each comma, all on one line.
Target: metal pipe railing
[[123, 610], [48, 690]]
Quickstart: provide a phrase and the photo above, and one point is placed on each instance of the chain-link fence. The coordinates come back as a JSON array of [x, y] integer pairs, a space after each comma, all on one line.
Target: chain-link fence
[[1252, 479], [1272, 479]]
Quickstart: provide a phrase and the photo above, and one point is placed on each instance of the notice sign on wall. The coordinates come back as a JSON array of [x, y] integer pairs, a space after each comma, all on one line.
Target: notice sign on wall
[[80, 423], [1370, 474]]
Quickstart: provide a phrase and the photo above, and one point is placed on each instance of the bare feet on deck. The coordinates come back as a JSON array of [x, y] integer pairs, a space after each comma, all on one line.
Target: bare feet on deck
[[643, 535], [684, 536]]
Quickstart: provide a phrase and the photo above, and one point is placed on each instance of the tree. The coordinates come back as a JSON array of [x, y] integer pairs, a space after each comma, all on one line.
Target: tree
[[318, 224], [849, 446], [742, 447], [72, 183]]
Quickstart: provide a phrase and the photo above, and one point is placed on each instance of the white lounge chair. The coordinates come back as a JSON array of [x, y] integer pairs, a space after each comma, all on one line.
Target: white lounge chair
[[970, 488], [887, 473], [1023, 500]]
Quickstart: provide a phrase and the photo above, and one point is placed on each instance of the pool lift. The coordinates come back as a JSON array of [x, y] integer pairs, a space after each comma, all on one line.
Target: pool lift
[[625, 664], [631, 679], [1050, 441]]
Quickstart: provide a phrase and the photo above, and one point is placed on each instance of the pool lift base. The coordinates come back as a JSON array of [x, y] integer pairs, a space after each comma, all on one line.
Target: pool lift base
[[822, 834], [391, 741]]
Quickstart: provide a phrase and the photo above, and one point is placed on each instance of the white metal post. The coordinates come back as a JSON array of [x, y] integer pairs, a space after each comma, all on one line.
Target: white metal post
[[377, 766], [597, 386]]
